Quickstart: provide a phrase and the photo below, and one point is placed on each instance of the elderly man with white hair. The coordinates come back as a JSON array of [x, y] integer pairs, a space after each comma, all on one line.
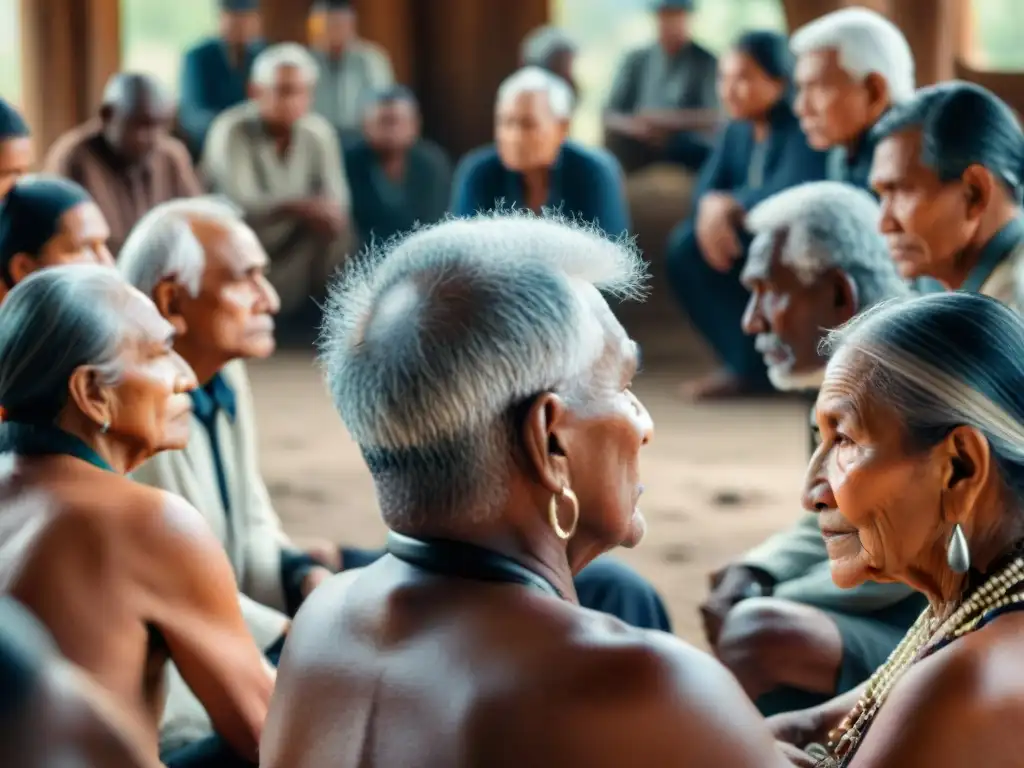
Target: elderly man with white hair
[[283, 166], [533, 165], [774, 615], [489, 387], [852, 65]]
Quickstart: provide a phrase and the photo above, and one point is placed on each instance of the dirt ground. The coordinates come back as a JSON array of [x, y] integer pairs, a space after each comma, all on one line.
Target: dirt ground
[[718, 478]]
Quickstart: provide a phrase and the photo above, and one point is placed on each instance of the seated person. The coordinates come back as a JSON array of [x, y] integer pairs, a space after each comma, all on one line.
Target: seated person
[[533, 165], [760, 152], [553, 49], [950, 190], [50, 713], [215, 71], [498, 486], [918, 481], [402, 178], [46, 221], [282, 165], [663, 101], [222, 308], [774, 617], [851, 66], [16, 151], [125, 159], [352, 69], [123, 576]]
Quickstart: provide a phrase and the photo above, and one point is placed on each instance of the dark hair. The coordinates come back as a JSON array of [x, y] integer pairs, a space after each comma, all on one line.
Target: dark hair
[[945, 360], [771, 52], [962, 124], [12, 124]]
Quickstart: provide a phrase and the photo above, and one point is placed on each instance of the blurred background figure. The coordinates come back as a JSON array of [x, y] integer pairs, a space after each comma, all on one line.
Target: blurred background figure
[[215, 72], [16, 150], [125, 158], [352, 70], [402, 178], [46, 221], [282, 165], [553, 49], [533, 164], [51, 714]]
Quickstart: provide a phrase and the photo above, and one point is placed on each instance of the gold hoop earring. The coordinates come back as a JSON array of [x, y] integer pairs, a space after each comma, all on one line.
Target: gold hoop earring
[[563, 533]]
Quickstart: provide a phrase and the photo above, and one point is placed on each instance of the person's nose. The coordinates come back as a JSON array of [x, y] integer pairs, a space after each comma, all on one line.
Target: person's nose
[[800, 103], [185, 380], [646, 422], [753, 321], [887, 222], [817, 494], [269, 299]]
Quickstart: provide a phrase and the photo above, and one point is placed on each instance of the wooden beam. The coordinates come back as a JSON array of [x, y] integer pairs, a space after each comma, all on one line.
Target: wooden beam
[[799, 12], [930, 28], [284, 20]]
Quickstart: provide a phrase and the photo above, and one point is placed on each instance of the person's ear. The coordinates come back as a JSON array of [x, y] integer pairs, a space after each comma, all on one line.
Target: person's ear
[[544, 441], [966, 466], [845, 296], [167, 295], [92, 399], [979, 188], [877, 90], [21, 266]]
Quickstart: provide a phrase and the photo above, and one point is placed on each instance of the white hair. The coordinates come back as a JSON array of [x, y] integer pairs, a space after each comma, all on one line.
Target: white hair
[[534, 79], [430, 342], [828, 224], [162, 245], [266, 65], [866, 43], [544, 42]]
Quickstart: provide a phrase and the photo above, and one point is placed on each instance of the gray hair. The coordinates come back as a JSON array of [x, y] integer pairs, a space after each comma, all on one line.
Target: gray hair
[[944, 360], [543, 43], [830, 225], [432, 341], [162, 245], [866, 43], [267, 64], [51, 323], [534, 79]]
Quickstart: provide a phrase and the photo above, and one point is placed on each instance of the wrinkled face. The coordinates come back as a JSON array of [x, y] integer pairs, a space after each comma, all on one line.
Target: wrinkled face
[[392, 126], [878, 504], [788, 316], [233, 315], [528, 135], [673, 29], [135, 133], [602, 441], [339, 28], [926, 222], [150, 406], [746, 90], [834, 109], [287, 100], [81, 239], [239, 27], [16, 157]]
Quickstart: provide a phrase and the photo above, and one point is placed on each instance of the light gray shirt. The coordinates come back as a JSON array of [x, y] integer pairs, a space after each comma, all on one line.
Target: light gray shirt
[[650, 79], [345, 84]]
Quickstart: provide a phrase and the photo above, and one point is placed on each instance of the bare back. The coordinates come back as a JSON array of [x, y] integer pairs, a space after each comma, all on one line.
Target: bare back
[[391, 667], [125, 577], [59, 557]]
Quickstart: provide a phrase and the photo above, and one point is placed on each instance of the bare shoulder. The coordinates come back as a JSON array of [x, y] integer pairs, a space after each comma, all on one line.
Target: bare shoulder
[[950, 708], [618, 696]]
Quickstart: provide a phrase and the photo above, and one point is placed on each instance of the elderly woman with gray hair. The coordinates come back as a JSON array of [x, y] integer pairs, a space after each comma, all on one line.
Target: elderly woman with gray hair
[[488, 385], [123, 576], [919, 479]]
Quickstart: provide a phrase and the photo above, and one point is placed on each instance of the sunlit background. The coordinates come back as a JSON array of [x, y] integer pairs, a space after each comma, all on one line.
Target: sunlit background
[[156, 32]]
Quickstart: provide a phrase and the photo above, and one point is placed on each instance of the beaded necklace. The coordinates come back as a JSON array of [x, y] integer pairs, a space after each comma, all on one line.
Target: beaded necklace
[[927, 634]]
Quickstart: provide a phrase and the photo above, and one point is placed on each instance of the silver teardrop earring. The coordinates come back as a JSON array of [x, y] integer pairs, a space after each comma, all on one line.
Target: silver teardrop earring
[[958, 554]]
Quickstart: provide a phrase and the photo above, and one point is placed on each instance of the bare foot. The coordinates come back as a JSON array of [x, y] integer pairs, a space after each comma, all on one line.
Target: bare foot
[[720, 385]]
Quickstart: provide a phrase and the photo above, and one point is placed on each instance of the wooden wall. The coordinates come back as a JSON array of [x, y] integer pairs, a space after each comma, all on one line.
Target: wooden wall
[[453, 52]]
